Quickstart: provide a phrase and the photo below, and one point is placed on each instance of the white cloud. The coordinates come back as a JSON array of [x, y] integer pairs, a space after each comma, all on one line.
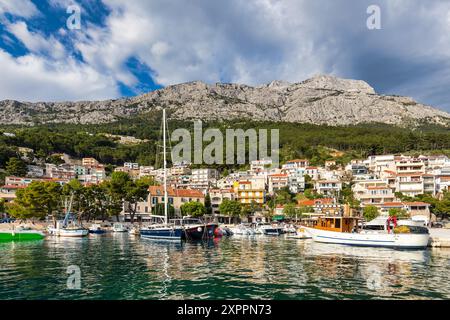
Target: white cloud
[[257, 41], [22, 8], [34, 78], [36, 42]]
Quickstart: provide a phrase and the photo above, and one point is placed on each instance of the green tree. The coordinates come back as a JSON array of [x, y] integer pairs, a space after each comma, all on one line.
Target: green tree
[[158, 210], [135, 191], [2, 205], [208, 205], [37, 200], [16, 167], [55, 159], [290, 210], [193, 209], [399, 213], [370, 213], [230, 208]]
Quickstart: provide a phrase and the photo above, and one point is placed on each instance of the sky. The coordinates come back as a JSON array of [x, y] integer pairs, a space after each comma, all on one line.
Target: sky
[[126, 48]]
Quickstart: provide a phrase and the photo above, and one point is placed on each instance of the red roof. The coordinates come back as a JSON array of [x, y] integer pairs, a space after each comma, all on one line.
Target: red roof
[[188, 193], [392, 204], [278, 175], [313, 202]]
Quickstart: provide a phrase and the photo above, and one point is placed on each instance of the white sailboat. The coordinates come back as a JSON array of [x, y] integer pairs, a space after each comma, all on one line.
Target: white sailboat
[[68, 228], [164, 231]]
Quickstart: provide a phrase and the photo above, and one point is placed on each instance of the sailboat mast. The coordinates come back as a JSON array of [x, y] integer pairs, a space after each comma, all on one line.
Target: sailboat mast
[[165, 166]]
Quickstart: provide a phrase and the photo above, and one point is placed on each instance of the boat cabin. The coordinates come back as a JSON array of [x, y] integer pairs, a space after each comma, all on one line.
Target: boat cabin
[[337, 224]]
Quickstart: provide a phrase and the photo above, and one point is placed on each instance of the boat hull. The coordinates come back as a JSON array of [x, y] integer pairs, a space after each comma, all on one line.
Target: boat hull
[[21, 235], [389, 240], [272, 231], [97, 231], [69, 233], [200, 232], [175, 234]]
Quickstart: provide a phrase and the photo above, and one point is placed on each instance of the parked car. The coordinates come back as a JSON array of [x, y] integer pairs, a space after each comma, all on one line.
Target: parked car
[[7, 220]]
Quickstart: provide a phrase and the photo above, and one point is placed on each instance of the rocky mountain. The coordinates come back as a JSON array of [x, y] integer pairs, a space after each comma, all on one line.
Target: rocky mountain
[[319, 100]]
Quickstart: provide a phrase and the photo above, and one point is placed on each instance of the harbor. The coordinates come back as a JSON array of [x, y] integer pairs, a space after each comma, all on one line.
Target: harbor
[[121, 266]]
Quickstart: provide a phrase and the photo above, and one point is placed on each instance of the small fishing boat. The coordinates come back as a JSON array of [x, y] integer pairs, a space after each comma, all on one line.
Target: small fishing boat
[[21, 234], [119, 227], [68, 227], [345, 230], [96, 229]]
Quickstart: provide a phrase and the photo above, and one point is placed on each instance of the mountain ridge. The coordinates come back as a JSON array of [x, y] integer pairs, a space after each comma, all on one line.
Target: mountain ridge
[[322, 99]]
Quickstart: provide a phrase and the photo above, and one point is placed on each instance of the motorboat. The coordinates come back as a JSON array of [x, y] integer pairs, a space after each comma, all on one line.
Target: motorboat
[[300, 233], [268, 229], [289, 228], [96, 229], [243, 230], [119, 227], [345, 230]]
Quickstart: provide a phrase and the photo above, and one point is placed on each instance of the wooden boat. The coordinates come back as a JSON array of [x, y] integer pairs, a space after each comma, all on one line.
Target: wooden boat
[[344, 230]]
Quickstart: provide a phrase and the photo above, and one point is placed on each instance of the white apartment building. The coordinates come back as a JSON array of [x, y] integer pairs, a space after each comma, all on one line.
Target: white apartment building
[[410, 184], [277, 182], [217, 196], [409, 165], [328, 187], [374, 193], [131, 165], [204, 179], [380, 163]]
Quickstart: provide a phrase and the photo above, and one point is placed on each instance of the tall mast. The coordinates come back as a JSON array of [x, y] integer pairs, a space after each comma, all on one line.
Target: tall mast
[[165, 166]]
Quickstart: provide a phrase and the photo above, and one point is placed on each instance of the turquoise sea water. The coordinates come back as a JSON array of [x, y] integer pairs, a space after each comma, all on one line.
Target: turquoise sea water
[[119, 266]]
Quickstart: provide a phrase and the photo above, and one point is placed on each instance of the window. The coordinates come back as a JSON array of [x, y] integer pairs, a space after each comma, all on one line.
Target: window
[[337, 223]]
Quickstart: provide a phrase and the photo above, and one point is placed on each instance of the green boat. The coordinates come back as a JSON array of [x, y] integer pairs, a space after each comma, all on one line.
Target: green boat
[[20, 235]]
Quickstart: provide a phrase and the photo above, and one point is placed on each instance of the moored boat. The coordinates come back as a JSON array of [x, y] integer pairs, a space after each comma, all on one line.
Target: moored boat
[[344, 230], [162, 232], [268, 229], [195, 229], [300, 233], [243, 230], [119, 227], [96, 229], [21, 234]]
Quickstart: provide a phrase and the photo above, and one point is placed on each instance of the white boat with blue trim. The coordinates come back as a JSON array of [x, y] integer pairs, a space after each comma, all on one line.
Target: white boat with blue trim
[[345, 230]]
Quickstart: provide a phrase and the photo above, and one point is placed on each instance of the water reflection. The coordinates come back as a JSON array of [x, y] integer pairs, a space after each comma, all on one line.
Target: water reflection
[[118, 266]]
